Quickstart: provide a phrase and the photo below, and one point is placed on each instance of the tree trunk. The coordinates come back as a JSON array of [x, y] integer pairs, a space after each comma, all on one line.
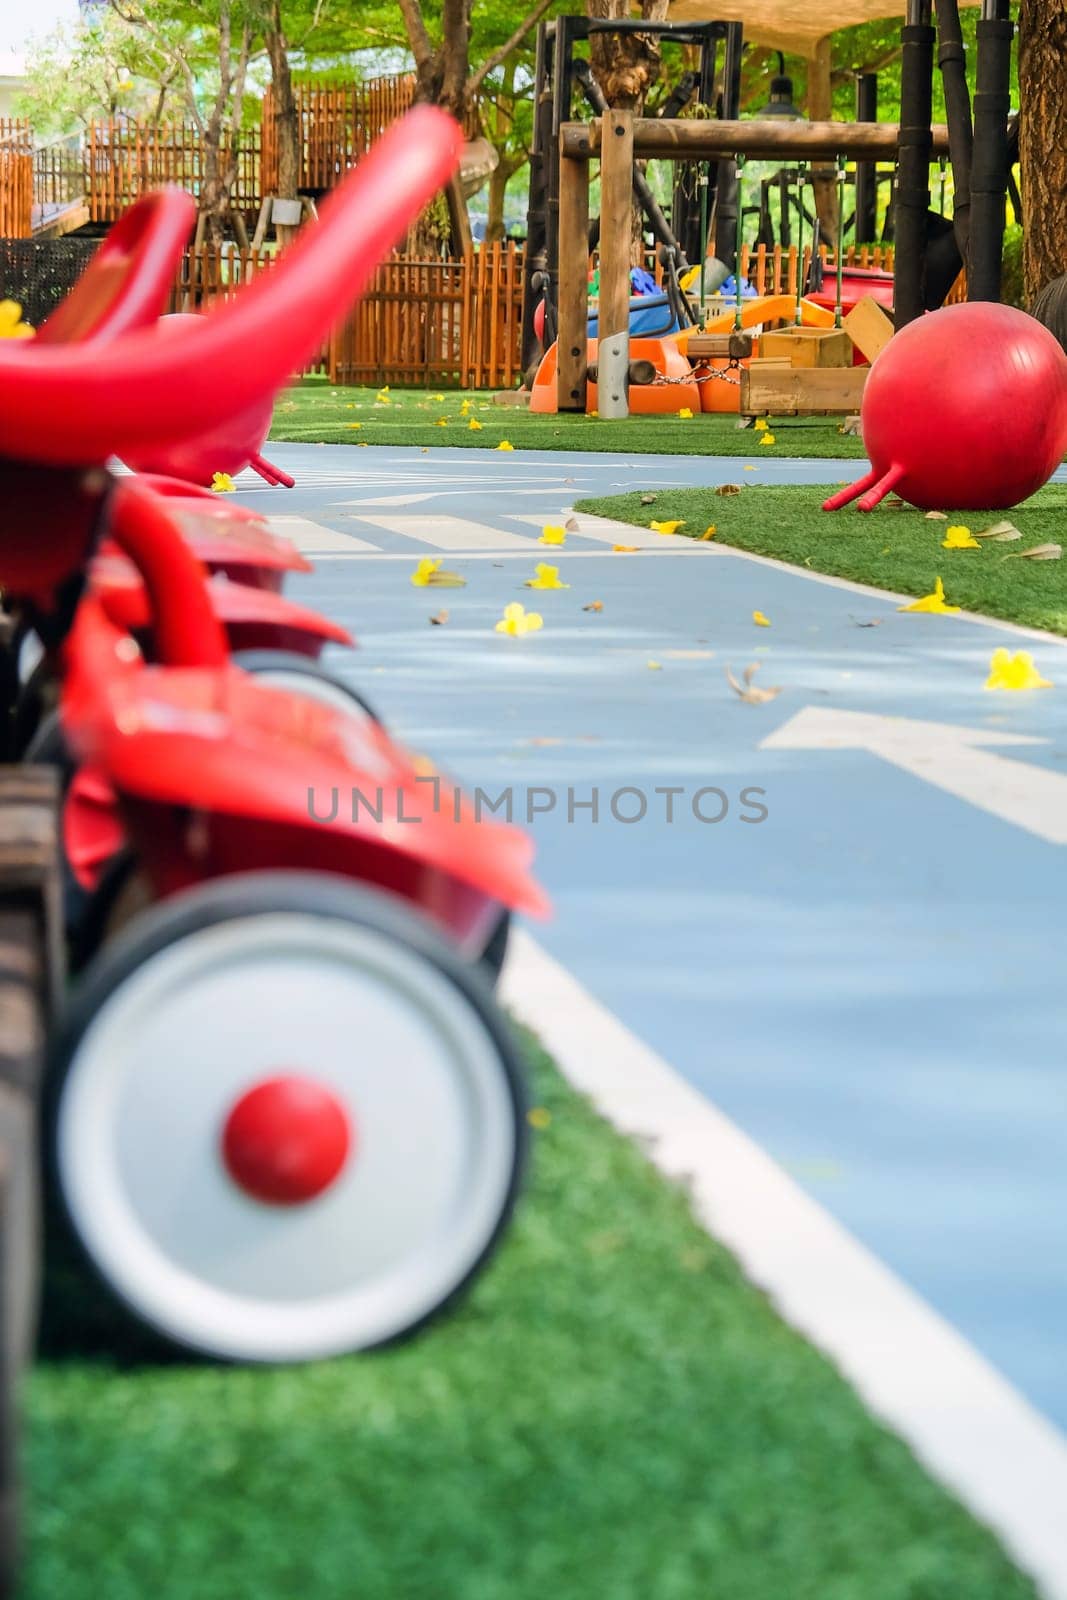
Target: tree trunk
[[1043, 140], [626, 65], [286, 115]]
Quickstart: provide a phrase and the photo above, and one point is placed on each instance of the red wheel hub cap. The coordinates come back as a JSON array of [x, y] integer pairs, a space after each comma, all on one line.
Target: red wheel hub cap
[[286, 1140]]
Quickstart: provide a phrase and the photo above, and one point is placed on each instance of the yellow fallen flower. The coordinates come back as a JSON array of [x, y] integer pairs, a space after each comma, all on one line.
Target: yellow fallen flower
[[222, 483], [761, 424], [546, 577], [1007, 671], [550, 534], [517, 621], [654, 666], [442, 422], [710, 531], [539, 1118], [666, 527], [11, 323], [505, 444], [959, 538], [474, 425], [932, 602], [353, 424], [428, 574], [760, 620], [685, 414], [767, 438]]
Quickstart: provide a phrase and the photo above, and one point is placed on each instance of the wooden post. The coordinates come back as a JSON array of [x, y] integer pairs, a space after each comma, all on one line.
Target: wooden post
[[573, 284], [616, 204]]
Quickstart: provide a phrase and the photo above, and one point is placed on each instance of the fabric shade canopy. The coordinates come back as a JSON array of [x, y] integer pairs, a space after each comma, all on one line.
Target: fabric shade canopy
[[792, 25]]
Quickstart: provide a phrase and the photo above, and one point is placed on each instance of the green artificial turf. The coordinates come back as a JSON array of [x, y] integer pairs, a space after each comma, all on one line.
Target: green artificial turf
[[315, 413], [894, 547], [613, 1413]]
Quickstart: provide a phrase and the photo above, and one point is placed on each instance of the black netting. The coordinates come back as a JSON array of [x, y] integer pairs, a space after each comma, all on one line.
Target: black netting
[[39, 273]]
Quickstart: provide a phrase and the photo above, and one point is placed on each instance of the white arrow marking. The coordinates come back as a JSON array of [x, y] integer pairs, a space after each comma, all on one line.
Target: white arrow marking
[[945, 755]]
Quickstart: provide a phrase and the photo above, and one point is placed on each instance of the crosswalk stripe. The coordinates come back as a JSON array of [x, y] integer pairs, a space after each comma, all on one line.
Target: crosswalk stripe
[[312, 538], [451, 533], [603, 530]]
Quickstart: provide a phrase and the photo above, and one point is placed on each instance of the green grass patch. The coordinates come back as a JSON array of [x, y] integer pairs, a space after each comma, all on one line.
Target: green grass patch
[[613, 1412], [315, 413], [892, 548]]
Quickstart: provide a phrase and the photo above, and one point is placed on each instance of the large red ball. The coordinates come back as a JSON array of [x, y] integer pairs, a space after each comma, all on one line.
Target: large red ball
[[971, 401]]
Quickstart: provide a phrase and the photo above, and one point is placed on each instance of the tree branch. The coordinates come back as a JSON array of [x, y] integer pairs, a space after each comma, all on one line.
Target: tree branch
[[418, 38], [475, 81]]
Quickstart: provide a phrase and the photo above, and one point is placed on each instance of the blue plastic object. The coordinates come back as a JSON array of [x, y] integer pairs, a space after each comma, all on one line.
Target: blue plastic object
[[651, 316]]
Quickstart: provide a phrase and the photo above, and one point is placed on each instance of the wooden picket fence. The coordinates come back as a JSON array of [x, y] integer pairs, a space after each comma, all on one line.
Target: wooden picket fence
[[16, 178], [437, 324], [207, 275], [125, 159]]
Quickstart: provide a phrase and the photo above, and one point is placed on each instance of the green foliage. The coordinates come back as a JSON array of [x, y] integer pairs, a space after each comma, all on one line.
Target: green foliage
[[96, 66]]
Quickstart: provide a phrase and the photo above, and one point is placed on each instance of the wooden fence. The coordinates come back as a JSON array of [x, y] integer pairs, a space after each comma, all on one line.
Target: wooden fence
[[16, 178], [437, 324], [125, 159]]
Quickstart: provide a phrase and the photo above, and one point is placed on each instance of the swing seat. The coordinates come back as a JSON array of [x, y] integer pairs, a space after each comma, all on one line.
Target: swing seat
[[652, 399]]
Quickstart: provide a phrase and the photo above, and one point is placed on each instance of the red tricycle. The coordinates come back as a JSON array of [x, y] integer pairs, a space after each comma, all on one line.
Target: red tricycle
[[283, 1117]]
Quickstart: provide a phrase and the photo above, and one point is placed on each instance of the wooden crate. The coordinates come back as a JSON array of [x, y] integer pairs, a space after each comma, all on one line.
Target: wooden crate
[[869, 327], [772, 388], [809, 347]]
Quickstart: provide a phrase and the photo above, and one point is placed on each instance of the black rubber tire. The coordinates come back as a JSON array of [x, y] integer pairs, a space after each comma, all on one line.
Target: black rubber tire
[[283, 661], [496, 950], [126, 1335]]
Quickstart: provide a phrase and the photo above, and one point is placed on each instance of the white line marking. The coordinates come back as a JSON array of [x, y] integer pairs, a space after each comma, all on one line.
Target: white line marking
[[313, 539], [451, 533], [940, 753], [410, 499], [603, 530], [544, 551], [964, 1421]]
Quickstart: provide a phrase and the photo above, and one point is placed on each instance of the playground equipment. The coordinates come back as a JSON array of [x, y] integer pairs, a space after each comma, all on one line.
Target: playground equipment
[[966, 407], [236, 444], [283, 1116], [620, 138], [713, 83]]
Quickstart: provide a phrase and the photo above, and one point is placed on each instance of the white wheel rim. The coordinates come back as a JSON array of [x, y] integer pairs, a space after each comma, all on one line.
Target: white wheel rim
[[175, 1045], [312, 688]]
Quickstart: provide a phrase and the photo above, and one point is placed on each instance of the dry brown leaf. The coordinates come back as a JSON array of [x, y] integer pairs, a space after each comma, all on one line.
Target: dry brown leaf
[[648, 499], [1000, 533], [872, 622], [1040, 552], [440, 619], [748, 691], [572, 525], [936, 516], [729, 488], [594, 605]]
